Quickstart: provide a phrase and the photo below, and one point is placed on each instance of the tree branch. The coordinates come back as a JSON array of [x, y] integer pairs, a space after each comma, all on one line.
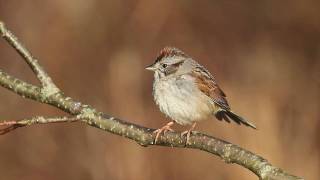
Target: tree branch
[[43, 77], [48, 93]]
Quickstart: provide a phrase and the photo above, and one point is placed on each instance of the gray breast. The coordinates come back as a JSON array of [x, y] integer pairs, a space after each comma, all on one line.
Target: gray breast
[[181, 100]]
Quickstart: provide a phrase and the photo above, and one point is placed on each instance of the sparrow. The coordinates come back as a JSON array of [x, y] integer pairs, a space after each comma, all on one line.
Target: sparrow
[[186, 92]]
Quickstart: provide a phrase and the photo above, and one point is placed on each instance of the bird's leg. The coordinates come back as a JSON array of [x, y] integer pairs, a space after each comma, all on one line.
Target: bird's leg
[[188, 132], [164, 129]]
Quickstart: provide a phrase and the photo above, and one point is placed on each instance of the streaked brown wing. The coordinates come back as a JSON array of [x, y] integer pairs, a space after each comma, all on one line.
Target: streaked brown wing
[[209, 87]]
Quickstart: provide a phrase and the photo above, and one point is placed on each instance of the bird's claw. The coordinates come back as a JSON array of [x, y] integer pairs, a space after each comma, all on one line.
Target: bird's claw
[[188, 133], [164, 129]]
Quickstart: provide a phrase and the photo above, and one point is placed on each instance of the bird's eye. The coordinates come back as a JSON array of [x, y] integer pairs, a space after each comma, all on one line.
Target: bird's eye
[[164, 65]]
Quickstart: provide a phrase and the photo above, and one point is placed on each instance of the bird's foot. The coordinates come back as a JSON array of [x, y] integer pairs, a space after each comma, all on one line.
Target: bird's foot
[[188, 133], [164, 129]]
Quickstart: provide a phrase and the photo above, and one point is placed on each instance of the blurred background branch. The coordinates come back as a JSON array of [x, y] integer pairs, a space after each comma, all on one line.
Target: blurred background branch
[[49, 93]]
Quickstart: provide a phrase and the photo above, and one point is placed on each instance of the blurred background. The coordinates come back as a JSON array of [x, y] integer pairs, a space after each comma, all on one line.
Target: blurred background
[[264, 54]]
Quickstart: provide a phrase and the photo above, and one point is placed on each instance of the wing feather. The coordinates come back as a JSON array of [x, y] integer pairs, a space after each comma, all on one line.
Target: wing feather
[[209, 87]]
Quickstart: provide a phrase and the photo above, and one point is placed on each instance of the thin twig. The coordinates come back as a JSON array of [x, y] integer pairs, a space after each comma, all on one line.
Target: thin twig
[[41, 74], [228, 152], [12, 125]]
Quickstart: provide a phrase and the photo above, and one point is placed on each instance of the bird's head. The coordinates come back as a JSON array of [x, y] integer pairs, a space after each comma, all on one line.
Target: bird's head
[[168, 62]]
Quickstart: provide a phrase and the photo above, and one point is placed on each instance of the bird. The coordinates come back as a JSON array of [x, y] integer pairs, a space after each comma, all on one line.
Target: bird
[[186, 92]]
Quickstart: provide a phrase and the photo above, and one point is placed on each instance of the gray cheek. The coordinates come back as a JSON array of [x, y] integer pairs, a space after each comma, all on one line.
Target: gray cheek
[[170, 70]]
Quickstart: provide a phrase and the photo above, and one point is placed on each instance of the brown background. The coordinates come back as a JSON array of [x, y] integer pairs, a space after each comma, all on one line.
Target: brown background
[[265, 55]]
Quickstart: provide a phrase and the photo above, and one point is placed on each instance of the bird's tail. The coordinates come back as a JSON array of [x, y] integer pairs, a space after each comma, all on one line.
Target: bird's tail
[[226, 114]]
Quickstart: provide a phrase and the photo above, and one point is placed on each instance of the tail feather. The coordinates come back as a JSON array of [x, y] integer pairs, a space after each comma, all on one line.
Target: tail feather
[[239, 120], [222, 116]]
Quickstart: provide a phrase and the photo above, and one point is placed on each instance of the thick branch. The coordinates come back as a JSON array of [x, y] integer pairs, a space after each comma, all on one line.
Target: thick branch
[[36, 93], [144, 136], [20, 87]]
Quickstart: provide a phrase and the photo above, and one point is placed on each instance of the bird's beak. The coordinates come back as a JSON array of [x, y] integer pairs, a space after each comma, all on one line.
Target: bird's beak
[[151, 67]]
